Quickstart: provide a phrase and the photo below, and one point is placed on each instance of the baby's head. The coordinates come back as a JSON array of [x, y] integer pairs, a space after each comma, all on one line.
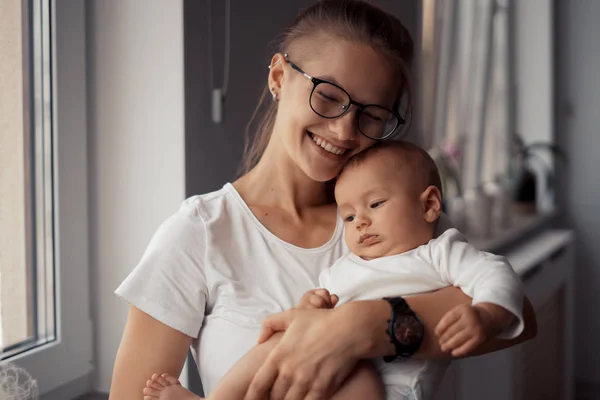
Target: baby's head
[[390, 198]]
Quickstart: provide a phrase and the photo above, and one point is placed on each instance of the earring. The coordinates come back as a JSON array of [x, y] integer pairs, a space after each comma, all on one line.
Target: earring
[[274, 94], [276, 62]]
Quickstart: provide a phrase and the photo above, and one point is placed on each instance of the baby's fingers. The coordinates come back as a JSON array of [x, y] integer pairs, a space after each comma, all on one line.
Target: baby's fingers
[[466, 348], [453, 330], [456, 341], [318, 302], [448, 320], [334, 300]]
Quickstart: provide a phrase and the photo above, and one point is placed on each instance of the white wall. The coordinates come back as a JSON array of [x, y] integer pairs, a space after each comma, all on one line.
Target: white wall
[[578, 132], [136, 147], [534, 78], [534, 68]]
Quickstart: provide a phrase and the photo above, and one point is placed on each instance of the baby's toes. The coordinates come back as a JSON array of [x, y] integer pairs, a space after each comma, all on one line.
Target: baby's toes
[[150, 393], [162, 381], [171, 379], [154, 379], [152, 384]]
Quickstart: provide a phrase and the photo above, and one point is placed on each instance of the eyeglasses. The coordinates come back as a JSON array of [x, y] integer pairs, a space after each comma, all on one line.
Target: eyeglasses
[[330, 101]]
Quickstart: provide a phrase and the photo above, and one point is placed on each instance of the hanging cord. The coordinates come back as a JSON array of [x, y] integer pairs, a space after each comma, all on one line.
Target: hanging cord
[[227, 55]]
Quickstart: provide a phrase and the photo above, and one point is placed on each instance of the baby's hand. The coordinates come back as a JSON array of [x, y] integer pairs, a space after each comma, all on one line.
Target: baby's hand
[[318, 298], [464, 328]]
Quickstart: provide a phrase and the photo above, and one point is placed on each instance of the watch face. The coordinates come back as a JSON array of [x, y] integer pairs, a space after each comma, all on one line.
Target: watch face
[[408, 330]]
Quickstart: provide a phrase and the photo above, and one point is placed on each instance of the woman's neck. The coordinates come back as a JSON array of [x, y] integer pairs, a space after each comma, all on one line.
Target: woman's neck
[[276, 181]]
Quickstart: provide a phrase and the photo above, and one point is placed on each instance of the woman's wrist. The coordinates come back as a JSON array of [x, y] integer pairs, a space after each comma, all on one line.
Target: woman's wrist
[[366, 323]]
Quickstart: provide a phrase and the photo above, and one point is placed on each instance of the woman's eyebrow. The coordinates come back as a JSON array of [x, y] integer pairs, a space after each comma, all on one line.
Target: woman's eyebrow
[[330, 79]]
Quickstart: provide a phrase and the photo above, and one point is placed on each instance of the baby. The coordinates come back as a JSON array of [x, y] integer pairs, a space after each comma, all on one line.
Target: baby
[[390, 197]]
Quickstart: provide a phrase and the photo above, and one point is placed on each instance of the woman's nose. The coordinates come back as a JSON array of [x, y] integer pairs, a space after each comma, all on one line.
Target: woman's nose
[[344, 127]]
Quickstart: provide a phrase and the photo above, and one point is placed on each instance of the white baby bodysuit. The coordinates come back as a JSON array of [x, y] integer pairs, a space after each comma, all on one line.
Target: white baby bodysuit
[[445, 261]]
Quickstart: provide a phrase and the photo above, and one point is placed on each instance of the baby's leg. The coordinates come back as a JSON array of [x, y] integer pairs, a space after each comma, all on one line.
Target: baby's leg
[[235, 383], [363, 383]]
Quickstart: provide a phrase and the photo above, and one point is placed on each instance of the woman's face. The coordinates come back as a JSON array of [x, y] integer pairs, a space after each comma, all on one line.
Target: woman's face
[[317, 145]]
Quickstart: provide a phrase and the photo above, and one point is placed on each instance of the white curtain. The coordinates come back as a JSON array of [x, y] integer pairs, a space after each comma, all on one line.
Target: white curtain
[[466, 85]]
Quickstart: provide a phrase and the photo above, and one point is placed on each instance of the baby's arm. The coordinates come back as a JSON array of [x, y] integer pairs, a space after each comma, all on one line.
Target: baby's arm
[[496, 290]]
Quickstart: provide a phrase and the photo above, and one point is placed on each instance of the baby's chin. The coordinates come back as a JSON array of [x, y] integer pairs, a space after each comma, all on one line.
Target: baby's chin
[[368, 253]]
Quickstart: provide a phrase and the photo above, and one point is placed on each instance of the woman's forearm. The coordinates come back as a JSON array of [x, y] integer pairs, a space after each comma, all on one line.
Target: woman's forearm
[[430, 308]]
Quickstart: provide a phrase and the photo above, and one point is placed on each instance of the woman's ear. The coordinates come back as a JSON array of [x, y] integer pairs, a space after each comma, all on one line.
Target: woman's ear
[[431, 200], [276, 73]]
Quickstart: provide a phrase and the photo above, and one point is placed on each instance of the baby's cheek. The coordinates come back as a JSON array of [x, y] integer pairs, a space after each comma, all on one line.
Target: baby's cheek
[[351, 239]]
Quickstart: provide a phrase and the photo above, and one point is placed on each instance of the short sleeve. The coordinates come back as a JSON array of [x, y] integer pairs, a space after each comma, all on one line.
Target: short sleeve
[[169, 283], [485, 277]]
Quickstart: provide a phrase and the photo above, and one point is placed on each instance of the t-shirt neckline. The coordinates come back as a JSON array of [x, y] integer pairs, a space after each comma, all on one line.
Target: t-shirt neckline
[[267, 233]]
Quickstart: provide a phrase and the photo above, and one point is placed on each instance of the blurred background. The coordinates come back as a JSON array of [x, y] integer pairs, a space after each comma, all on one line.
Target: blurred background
[[114, 111]]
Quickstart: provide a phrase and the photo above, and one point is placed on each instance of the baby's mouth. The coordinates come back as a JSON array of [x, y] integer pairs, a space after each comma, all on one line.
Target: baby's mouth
[[367, 238]]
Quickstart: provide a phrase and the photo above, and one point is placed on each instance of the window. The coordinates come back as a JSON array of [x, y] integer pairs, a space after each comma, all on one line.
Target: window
[[27, 306], [44, 262]]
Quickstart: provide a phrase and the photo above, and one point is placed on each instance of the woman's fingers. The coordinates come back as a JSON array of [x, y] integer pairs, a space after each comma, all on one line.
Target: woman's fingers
[[298, 391], [275, 323], [262, 382], [310, 361], [281, 385]]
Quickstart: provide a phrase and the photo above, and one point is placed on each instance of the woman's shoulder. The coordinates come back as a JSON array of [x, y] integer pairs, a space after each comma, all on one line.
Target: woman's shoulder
[[190, 220], [205, 206]]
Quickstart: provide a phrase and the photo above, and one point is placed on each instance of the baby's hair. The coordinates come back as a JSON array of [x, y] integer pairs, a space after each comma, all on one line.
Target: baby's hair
[[404, 152], [16, 384]]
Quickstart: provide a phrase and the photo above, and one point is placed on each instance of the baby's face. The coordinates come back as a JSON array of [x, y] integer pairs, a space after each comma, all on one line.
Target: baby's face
[[382, 209]]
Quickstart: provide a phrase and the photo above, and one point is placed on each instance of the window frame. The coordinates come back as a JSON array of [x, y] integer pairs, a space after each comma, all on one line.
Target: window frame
[[72, 349]]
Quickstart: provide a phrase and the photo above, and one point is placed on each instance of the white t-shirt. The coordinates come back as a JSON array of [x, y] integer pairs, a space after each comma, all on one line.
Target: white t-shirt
[[445, 261], [212, 271]]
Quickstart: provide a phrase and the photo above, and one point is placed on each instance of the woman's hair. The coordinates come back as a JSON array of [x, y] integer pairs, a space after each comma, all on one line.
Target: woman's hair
[[352, 20]]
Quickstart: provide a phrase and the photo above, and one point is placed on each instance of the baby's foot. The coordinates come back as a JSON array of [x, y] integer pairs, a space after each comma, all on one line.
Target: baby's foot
[[166, 387]]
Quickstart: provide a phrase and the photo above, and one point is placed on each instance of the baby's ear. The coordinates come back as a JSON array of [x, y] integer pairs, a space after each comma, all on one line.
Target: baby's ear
[[431, 200]]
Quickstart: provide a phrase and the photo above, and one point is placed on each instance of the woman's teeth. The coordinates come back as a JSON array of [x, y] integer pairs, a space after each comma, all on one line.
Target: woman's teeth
[[328, 146]]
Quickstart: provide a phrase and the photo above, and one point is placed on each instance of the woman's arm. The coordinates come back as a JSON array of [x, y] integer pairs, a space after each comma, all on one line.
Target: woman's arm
[[433, 306], [321, 347], [147, 347]]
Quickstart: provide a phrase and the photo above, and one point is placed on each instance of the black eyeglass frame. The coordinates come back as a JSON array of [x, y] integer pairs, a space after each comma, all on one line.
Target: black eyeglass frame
[[345, 108]]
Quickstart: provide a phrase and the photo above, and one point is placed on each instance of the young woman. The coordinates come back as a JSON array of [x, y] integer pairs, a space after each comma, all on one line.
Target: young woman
[[229, 259]]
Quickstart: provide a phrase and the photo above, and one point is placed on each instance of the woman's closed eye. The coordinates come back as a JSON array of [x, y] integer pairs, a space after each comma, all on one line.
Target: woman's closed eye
[[328, 97]]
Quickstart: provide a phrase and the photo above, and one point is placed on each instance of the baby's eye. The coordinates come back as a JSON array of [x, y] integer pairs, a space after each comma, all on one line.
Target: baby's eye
[[377, 204], [349, 218]]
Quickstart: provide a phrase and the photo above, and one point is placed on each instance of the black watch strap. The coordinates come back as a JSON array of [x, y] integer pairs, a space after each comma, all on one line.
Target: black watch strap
[[405, 329]]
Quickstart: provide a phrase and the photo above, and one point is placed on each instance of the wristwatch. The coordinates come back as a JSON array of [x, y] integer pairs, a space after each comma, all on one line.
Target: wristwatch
[[405, 330]]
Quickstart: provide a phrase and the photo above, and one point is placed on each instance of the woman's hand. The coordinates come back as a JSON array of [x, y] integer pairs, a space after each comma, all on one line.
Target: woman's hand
[[319, 349]]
